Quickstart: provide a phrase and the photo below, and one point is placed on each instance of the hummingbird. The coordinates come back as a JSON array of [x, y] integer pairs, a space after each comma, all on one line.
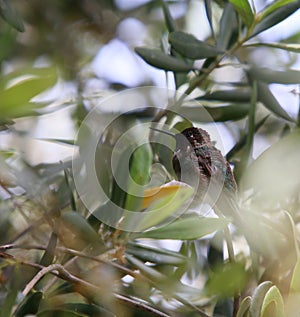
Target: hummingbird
[[197, 162]]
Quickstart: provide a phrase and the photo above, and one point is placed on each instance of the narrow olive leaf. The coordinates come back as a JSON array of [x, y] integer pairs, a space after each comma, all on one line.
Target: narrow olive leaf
[[275, 17], [244, 307], [208, 11], [49, 253], [140, 165], [160, 60], [274, 6], [233, 95], [273, 297], [258, 298], [239, 145], [190, 47], [170, 23], [76, 233], [15, 99], [216, 114], [155, 255], [295, 282], [148, 271], [228, 26], [283, 46], [11, 16], [270, 102], [84, 310], [247, 153], [268, 75], [187, 229], [227, 280], [30, 304], [10, 300], [164, 207], [244, 10]]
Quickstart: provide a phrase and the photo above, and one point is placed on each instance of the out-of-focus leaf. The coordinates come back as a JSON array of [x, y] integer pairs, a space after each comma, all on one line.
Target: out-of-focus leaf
[[247, 153], [284, 46], [140, 165], [58, 313], [228, 27], [244, 9], [266, 175], [276, 16], [77, 234], [258, 298], [48, 255], [244, 307], [30, 305], [208, 11], [216, 114], [170, 23], [153, 274], [11, 16], [63, 141], [160, 60], [227, 280], [190, 47], [274, 298], [155, 255], [164, 207], [268, 75], [274, 6], [9, 301], [189, 228], [242, 141], [270, 102], [295, 282], [233, 95], [15, 99], [86, 309]]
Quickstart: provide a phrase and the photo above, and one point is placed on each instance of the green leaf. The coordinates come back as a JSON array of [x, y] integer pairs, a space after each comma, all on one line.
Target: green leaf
[[147, 270], [49, 253], [295, 282], [163, 208], [216, 114], [258, 298], [86, 309], [189, 228], [11, 16], [15, 100], [266, 172], [227, 280], [274, 298], [30, 305], [244, 307], [274, 6], [244, 9], [170, 23], [76, 233], [140, 164], [188, 46], [268, 75], [275, 16], [239, 145], [233, 95], [160, 60], [228, 27], [208, 11], [270, 102], [155, 255], [284, 46]]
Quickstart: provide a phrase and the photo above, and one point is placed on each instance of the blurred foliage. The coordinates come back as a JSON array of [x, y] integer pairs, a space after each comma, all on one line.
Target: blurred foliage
[[56, 258]]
